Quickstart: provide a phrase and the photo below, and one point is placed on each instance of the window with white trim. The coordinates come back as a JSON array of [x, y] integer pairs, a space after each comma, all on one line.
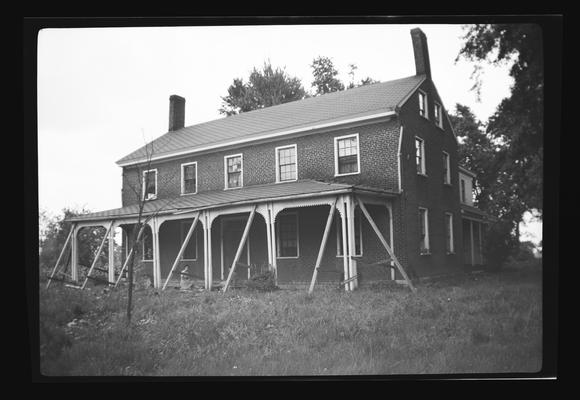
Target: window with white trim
[[423, 104], [150, 184], [287, 235], [449, 233], [446, 169], [234, 171], [423, 230], [438, 114], [190, 253], [346, 155], [463, 191], [420, 155], [286, 164], [358, 243], [189, 178]]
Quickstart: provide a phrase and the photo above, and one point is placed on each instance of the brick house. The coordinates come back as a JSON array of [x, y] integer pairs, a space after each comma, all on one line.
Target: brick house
[[372, 170]]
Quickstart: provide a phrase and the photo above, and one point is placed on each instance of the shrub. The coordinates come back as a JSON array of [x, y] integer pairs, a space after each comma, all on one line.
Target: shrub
[[263, 282]]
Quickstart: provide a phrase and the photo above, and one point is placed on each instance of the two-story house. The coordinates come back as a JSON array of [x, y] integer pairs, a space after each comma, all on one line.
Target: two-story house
[[327, 183]]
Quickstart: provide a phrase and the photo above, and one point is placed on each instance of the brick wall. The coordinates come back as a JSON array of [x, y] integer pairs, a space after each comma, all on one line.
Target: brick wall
[[378, 162]]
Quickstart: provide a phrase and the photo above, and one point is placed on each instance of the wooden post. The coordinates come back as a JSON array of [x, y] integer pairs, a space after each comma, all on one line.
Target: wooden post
[[74, 255], [97, 255], [323, 244], [240, 247], [385, 245], [182, 249], [209, 253], [130, 254], [156, 254], [111, 271], [344, 244], [472, 243], [72, 229], [272, 221], [391, 236], [351, 242], [268, 236]]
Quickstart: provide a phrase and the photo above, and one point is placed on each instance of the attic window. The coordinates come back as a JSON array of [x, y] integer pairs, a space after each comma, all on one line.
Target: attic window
[[234, 171], [423, 104], [346, 155], [150, 184]]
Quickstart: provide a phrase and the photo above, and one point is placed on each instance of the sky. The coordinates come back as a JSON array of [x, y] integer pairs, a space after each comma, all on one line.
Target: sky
[[104, 92]]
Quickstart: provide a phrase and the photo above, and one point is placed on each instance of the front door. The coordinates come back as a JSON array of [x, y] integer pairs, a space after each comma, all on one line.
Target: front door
[[232, 231]]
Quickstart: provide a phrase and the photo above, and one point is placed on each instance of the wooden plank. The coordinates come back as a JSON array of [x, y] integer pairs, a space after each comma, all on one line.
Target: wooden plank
[[325, 235], [385, 245], [240, 247], [97, 255], [130, 254], [182, 249], [61, 254]]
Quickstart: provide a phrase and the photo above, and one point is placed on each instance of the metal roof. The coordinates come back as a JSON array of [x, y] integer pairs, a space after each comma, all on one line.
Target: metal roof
[[336, 107], [224, 198]]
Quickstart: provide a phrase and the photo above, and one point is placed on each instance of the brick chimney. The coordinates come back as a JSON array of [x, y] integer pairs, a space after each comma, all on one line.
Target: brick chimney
[[421, 51], [176, 112]]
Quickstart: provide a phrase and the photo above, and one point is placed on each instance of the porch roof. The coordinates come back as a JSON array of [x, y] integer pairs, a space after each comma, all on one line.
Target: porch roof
[[476, 213], [224, 198]]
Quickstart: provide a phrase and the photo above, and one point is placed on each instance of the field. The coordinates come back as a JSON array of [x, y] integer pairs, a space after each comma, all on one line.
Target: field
[[484, 323]]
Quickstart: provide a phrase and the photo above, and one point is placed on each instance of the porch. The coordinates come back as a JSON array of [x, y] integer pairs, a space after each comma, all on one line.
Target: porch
[[296, 230]]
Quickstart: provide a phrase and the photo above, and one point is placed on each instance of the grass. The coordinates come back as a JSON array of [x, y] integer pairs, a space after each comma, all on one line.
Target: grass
[[487, 323]]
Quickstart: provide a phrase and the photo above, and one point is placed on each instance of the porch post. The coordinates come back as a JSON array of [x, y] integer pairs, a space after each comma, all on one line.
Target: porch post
[[273, 243], [74, 260], [472, 243], [156, 253], [268, 236], [112, 254], [207, 255], [345, 262], [351, 241], [391, 238]]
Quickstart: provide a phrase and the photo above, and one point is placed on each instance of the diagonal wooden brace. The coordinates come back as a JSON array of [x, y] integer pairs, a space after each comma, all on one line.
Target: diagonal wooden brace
[[181, 250], [97, 255], [240, 247], [323, 244], [130, 254], [385, 245], [72, 229]]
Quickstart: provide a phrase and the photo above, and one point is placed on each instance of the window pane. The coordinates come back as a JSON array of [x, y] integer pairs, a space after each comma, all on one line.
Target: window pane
[[287, 164], [347, 156], [150, 188], [189, 182], [234, 165]]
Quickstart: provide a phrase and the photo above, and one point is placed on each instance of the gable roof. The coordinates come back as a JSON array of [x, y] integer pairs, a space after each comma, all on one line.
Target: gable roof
[[332, 108]]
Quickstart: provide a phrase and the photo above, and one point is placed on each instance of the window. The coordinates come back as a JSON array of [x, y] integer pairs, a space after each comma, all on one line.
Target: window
[[234, 171], [420, 155], [287, 225], [147, 246], [190, 253], [189, 178], [286, 164], [438, 115], [463, 190], [449, 233], [358, 245], [346, 155], [423, 231], [423, 104], [150, 184], [446, 169]]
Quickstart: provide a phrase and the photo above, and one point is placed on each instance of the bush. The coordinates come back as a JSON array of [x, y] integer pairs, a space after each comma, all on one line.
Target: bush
[[263, 282]]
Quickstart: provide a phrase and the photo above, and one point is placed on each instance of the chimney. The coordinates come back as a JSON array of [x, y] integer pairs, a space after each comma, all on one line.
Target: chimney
[[176, 112], [421, 52]]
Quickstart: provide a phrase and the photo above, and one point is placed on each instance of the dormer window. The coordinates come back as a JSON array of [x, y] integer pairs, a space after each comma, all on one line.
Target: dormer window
[[150, 184], [234, 171], [189, 178], [438, 115], [423, 104]]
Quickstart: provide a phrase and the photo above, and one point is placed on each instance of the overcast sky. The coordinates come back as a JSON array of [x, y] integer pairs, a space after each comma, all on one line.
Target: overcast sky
[[104, 92]]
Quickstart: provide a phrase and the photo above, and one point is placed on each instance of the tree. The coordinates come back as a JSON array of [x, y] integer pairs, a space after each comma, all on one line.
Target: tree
[[324, 73], [518, 120], [266, 87]]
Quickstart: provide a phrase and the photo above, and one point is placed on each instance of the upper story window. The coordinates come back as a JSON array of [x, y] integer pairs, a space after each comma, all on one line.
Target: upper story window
[[190, 253], [150, 184], [449, 233], [463, 200], [189, 178], [423, 230], [358, 243], [287, 224], [286, 163], [346, 155], [423, 104], [446, 169], [438, 111], [234, 171], [420, 155]]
